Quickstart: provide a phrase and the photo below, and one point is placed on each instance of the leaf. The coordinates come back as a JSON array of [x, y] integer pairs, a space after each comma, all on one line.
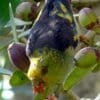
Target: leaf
[[25, 33], [13, 26], [18, 78], [5, 41], [75, 76], [19, 22], [7, 28], [4, 7], [5, 71]]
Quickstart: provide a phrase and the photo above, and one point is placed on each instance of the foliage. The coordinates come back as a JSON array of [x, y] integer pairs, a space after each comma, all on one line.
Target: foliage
[[4, 7]]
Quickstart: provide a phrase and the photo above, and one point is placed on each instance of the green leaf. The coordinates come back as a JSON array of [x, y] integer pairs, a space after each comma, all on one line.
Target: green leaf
[[4, 7], [75, 76], [19, 22], [18, 78], [5, 71]]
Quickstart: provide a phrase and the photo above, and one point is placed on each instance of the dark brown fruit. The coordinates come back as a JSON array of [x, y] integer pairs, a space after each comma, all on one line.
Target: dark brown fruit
[[18, 56]]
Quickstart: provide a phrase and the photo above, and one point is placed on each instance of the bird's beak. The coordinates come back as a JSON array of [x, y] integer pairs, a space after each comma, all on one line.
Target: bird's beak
[[34, 71]]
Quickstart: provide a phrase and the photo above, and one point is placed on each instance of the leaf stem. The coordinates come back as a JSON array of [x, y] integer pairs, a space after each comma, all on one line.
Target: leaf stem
[[13, 23]]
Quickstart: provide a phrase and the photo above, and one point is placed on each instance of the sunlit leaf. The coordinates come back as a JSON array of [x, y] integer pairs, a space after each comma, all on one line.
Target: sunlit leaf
[[18, 78], [75, 76]]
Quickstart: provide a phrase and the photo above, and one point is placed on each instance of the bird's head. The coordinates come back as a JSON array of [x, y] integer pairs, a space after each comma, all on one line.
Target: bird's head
[[48, 66], [61, 6]]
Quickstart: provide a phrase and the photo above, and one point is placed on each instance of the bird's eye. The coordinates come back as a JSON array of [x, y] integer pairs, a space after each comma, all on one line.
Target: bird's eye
[[44, 70]]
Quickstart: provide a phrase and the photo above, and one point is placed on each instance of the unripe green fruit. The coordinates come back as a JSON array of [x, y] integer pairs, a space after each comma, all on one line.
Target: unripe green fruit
[[23, 9], [17, 55], [86, 57], [88, 18], [90, 35]]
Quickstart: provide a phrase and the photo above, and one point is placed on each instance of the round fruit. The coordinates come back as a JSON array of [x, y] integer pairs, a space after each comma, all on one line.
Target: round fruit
[[88, 18], [86, 57], [26, 11], [17, 55], [90, 36]]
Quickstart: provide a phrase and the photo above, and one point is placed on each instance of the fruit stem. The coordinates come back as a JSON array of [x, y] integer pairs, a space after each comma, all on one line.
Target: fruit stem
[[13, 26]]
